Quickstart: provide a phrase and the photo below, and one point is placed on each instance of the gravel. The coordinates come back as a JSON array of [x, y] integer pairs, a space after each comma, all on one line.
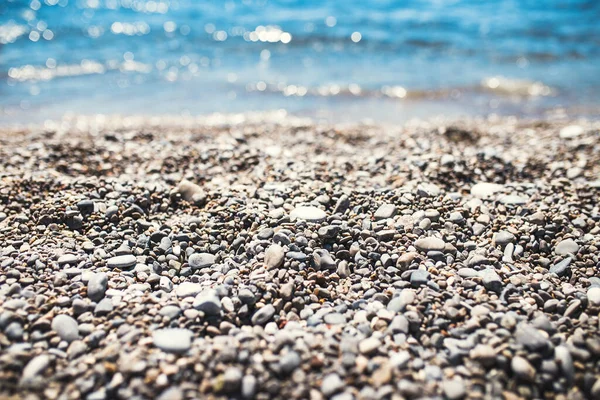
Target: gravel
[[299, 260]]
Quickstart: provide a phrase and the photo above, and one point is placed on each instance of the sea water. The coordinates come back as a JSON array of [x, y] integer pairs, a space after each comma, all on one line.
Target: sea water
[[340, 60]]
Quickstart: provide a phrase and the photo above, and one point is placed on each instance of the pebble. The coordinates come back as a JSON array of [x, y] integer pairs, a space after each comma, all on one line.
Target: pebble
[[385, 211], [97, 286], [121, 262], [430, 244], [191, 192], [503, 238], [34, 368], [188, 289], [274, 256], [263, 315], [561, 268], [201, 260], [66, 327], [308, 213], [565, 247], [485, 189], [419, 277], [593, 295], [369, 346], [522, 369], [332, 383], [454, 389], [571, 131], [173, 340], [208, 303], [289, 362]]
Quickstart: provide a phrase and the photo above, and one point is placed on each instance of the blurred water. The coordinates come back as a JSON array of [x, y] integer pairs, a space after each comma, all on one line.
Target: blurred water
[[343, 60]]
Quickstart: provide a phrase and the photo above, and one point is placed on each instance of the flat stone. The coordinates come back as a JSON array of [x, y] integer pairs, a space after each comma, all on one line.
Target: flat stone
[[503, 238], [66, 327], [188, 289], [263, 315], [308, 213], [122, 262], [567, 246], [430, 244], [274, 256], [385, 211], [485, 189], [173, 340], [201, 260]]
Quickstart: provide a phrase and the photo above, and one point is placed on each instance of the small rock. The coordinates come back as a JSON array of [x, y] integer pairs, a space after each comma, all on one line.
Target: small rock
[[503, 238], [201, 260], [485, 189], [522, 369], [208, 303], [430, 244], [567, 246], [122, 262], [308, 213], [274, 256], [97, 286], [191, 192], [369, 345], [593, 295], [454, 389], [188, 289], [263, 315], [173, 340], [331, 384], [571, 131], [561, 268], [66, 327], [34, 367], [385, 211]]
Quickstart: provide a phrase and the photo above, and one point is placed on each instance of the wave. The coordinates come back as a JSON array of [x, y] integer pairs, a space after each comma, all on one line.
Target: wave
[[86, 67], [498, 85], [11, 32]]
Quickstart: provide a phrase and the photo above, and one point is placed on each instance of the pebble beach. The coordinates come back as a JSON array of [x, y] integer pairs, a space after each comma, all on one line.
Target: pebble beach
[[288, 259]]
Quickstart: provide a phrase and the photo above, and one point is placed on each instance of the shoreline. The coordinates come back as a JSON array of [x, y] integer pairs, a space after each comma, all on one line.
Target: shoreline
[[273, 257]]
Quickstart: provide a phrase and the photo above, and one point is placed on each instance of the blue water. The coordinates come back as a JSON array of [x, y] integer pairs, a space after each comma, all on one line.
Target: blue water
[[344, 60]]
